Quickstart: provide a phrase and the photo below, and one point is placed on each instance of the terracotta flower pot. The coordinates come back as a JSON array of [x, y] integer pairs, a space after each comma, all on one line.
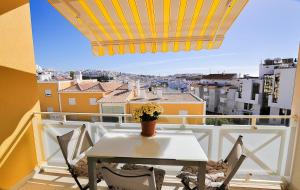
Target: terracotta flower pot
[[148, 128]]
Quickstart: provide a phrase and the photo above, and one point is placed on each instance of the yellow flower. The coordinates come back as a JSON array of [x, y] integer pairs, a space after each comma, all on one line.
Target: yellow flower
[[150, 110]]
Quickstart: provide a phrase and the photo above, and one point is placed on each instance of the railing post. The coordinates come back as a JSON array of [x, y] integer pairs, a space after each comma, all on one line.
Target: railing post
[[253, 123], [120, 120], [119, 124], [183, 121], [64, 118]]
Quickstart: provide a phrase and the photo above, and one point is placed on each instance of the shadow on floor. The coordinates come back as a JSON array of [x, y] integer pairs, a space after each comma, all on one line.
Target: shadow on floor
[[63, 181]]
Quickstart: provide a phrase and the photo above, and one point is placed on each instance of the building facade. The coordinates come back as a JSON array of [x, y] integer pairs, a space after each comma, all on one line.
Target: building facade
[[268, 94], [91, 96]]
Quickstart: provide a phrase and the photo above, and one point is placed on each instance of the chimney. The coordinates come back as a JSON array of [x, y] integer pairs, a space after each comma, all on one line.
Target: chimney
[[143, 94], [130, 85], [77, 76], [137, 88], [159, 93]]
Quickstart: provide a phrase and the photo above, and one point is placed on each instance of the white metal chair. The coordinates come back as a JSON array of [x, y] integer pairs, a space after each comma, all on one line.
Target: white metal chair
[[117, 179], [159, 174], [218, 174], [73, 145]]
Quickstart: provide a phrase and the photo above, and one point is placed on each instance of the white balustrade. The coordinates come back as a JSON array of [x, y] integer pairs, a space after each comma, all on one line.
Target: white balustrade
[[266, 146]]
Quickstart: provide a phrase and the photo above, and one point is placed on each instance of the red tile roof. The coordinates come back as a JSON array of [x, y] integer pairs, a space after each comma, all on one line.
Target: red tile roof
[[117, 96], [93, 86]]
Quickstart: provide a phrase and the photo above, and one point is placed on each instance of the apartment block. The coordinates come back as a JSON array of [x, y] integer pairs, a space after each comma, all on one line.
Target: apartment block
[[248, 97], [213, 88], [227, 103], [91, 96], [268, 94]]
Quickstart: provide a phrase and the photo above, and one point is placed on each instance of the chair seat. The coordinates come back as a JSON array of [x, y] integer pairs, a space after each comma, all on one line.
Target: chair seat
[[211, 167], [81, 168], [212, 181], [214, 177], [159, 173]]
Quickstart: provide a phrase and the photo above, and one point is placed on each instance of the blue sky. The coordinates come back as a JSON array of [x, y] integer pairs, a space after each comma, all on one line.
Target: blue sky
[[265, 29]]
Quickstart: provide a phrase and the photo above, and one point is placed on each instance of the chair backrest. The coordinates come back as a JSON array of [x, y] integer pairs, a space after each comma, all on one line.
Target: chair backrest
[[234, 160], [74, 143], [129, 179]]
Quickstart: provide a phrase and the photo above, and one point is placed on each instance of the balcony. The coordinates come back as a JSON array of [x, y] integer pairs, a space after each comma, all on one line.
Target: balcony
[[261, 140], [248, 99], [223, 99]]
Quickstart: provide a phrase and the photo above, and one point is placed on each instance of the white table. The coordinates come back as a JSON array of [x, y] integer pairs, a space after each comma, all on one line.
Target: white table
[[179, 148]]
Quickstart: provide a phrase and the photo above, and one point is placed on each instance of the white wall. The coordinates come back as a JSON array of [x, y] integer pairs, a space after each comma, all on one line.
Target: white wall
[[265, 69], [286, 88], [220, 82], [247, 91]]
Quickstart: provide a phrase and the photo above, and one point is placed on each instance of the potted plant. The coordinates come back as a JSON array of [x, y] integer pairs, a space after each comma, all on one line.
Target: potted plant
[[147, 114]]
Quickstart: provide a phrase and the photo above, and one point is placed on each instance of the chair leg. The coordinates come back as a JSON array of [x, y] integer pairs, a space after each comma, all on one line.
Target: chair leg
[[186, 185], [77, 182], [88, 186], [222, 187]]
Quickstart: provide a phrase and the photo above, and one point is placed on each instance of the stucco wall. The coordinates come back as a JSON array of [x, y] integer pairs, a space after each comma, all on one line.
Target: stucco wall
[[295, 182], [19, 97], [82, 104], [48, 101]]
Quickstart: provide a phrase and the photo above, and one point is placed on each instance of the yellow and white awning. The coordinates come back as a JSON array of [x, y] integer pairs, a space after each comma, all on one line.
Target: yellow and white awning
[[139, 26]]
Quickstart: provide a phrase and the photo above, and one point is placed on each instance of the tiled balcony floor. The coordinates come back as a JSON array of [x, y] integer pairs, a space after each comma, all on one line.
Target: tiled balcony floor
[[55, 181], [63, 181]]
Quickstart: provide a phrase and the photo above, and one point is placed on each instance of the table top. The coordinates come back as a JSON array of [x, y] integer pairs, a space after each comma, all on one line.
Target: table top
[[175, 144]]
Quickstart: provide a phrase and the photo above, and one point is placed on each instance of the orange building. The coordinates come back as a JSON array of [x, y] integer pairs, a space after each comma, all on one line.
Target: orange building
[[91, 96], [78, 96], [49, 94]]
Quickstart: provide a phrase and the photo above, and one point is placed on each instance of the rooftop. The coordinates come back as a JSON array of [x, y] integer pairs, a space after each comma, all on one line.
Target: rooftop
[[93, 86], [168, 97], [222, 76], [117, 96]]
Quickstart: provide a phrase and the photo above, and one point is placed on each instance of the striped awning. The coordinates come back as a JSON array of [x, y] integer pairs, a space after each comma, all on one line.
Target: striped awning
[[139, 26]]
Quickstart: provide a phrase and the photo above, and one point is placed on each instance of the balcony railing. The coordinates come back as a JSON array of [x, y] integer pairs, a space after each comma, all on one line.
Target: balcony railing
[[268, 146]]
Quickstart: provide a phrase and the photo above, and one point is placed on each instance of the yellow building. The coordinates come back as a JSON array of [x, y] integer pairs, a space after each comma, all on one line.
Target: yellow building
[[126, 101], [79, 96], [49, 94], [19, 97], [90, 96]]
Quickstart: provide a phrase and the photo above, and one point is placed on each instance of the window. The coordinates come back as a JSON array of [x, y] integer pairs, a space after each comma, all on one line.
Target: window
[[112, 110], [48, 92], [240, 90], [72, 101], [49, 109], [276, 88], [93, 101], [248, 106], [255, 90]]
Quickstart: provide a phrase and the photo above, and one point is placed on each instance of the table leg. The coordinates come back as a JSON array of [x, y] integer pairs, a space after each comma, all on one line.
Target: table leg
[[201, 176], [92, 173]]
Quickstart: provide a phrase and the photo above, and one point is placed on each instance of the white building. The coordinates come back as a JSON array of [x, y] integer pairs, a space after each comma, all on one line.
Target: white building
[[219, 79], [45, 76], [249, 96], [227, 103], [269, 94], [280, 101]]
